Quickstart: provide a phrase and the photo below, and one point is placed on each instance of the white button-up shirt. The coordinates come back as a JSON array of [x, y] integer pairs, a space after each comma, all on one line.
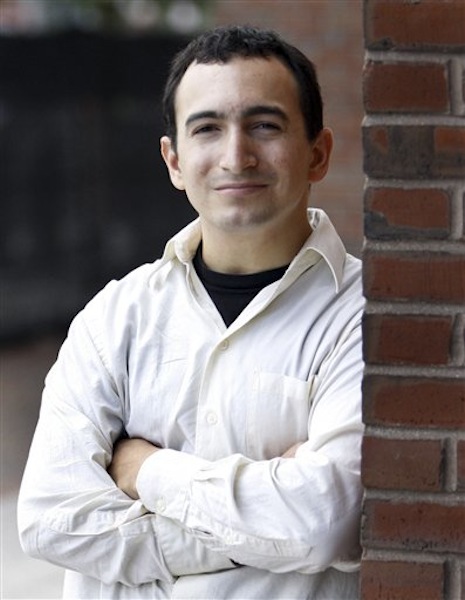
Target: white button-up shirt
[[221, 514]]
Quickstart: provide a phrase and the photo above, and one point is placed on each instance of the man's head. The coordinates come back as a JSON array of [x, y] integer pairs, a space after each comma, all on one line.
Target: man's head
[[243, 141], [226, 43]]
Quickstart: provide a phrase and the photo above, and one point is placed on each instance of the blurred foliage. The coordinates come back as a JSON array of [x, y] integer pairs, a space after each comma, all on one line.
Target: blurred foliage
[[111, 14], [183, 16]]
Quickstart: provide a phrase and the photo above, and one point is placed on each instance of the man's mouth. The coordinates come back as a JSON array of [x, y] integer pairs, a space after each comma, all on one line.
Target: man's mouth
[[242, 187]]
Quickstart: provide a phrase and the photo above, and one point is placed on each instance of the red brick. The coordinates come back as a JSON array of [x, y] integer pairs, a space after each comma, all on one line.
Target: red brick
[[379, 137], [414, 276], [449, 151], [407, 339], [407, 213], [416, 526], [393, 152], [402, 464], [414, 402], [396, 471], [461, 466], [396, 580], [401, 24], [413, 152], [406, 87], [449, 140]]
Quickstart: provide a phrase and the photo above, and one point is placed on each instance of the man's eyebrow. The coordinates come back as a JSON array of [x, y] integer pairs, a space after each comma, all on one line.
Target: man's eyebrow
[[265, 109], [204, 114], [252, 111]]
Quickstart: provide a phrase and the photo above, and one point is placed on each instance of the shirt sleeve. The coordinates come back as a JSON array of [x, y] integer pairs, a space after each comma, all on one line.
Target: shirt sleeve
[[284, 514], [70, 512]]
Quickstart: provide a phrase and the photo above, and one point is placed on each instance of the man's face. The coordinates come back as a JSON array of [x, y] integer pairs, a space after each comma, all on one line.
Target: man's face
[[242, 153]]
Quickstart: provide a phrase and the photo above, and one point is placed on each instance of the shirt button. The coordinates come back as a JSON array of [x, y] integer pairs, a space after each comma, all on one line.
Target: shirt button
[[212, 418], [160, 505], [224, 345]]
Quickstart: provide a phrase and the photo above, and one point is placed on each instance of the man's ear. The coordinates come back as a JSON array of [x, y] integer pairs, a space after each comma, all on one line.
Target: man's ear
[[321, 153], [172, 162]]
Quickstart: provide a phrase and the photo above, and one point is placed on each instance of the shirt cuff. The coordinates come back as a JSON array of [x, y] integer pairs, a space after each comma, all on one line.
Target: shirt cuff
[[164, 480], [163, 483]]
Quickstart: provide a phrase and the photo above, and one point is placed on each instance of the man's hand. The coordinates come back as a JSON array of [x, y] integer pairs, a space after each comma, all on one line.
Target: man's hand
[[290, 453], [128, 456]]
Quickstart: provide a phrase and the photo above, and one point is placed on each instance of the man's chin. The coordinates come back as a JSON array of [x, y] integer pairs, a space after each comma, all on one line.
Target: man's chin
[[243, 221]]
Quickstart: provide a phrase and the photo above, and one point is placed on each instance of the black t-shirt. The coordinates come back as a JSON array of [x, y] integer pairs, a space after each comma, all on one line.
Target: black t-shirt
[[232, 293]]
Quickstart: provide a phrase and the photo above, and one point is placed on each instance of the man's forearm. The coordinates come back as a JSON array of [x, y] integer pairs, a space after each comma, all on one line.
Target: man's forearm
[[130, 453], [183, 553], [220, 503], [128, 456]]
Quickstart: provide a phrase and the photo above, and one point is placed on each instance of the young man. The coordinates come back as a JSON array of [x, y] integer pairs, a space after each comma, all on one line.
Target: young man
[[200, 432]]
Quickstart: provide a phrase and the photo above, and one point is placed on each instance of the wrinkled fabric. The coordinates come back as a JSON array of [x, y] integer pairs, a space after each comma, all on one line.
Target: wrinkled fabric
[[221, 514]]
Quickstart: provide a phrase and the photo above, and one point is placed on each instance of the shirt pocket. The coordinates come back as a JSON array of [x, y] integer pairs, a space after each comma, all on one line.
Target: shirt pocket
[[278, 415]]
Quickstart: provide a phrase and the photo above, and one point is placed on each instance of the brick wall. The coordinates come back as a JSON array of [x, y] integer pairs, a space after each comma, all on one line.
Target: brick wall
[[413, 529], [329, 32]]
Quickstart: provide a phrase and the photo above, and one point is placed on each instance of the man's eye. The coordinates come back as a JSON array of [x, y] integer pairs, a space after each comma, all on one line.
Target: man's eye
[[203, 129], [267, 126]]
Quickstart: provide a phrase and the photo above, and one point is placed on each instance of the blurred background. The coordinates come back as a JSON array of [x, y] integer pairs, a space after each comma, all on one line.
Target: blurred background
[[84, 193]]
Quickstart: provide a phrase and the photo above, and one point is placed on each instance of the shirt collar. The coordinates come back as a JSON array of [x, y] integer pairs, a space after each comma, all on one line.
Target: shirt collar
[[184, 244], [324, 240]]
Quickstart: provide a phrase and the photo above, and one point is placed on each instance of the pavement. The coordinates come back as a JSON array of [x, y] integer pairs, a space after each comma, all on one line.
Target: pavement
[[23, 365]]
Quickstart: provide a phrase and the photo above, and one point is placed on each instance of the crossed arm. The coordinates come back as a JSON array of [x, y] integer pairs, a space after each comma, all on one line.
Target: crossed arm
[[130, 454], [71, 512]]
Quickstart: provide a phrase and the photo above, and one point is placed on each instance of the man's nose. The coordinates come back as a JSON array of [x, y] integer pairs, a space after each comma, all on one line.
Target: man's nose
[[238, 152]]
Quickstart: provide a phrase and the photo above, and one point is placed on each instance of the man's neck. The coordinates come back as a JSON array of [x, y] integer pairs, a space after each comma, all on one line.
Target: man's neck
[[252, 252]]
